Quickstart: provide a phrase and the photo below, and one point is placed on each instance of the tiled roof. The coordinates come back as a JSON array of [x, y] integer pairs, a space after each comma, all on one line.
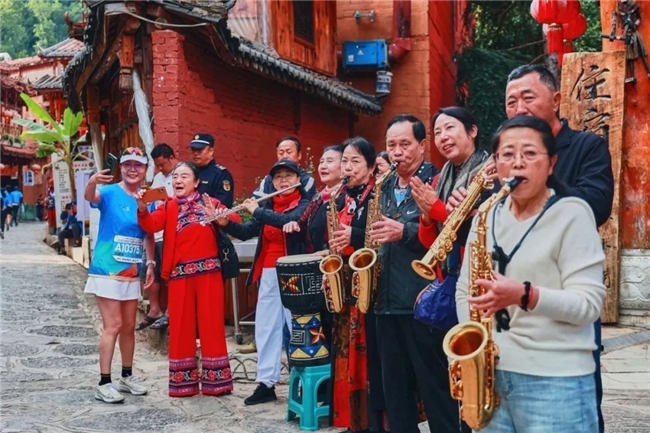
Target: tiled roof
[[255, 58], [7, 82], [15, 64], [67, 49], [49, 82], [246, 54], [17, 152]]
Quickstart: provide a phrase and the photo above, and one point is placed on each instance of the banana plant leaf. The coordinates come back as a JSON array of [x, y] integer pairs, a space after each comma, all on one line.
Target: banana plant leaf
[[40, 112], [71, 122]]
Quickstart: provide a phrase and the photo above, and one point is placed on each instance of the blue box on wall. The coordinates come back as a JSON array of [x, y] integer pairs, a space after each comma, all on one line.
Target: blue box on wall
[[372, 54]]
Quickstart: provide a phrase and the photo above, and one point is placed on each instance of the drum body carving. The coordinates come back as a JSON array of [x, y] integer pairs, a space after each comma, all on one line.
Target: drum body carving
[[300, 282]]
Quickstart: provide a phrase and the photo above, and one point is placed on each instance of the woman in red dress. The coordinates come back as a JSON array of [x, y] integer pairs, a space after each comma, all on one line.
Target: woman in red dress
[[190, 262]]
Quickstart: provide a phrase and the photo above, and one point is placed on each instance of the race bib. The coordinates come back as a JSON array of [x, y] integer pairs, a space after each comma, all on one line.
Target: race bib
[[127, 249]]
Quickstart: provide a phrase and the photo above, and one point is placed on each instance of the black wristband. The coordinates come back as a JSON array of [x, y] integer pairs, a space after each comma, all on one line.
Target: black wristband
[[526, 296]]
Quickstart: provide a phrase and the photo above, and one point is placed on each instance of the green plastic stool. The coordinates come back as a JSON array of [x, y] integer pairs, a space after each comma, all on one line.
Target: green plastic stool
[[311, 404]]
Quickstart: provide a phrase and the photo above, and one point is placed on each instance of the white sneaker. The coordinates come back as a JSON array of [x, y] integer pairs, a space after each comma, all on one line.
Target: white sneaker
[[108, 393], [129, 384]]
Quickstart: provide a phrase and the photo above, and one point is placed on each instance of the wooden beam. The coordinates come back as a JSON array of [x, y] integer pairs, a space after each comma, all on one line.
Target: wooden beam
[[593, 100], [126, 61], [98, 52], [93, 104], [128, 27]]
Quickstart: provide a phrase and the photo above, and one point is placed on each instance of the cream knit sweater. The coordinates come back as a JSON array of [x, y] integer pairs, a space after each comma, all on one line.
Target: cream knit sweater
[[563, 258]]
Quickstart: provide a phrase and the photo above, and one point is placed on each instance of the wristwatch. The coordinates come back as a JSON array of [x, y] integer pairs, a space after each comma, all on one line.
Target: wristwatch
[[151, 262]]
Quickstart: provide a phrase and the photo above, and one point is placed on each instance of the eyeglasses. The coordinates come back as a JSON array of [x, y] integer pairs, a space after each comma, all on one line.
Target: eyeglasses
[[528, 155], [133, 151], [284, 176]]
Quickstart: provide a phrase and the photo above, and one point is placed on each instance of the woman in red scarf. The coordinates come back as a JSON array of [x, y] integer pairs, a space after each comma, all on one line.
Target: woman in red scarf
[[353, 336], [190, 261], [270, 315]]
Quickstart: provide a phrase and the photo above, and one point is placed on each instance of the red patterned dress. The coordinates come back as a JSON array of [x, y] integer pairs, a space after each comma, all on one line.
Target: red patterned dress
[[196, 295]]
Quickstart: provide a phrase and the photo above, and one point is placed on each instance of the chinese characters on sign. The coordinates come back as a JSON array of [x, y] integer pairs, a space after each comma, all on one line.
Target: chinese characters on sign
[[593, 100], [591, 89]]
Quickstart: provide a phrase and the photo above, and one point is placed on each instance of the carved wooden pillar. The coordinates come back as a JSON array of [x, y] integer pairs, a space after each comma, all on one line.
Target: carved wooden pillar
[[634, 299]]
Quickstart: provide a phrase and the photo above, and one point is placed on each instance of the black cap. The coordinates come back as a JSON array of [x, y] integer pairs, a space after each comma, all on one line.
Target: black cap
[[201, 140], [285, 163]]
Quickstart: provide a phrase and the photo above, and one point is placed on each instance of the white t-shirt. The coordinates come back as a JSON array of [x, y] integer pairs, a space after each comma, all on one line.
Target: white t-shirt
[[563, 258], [161, 180]]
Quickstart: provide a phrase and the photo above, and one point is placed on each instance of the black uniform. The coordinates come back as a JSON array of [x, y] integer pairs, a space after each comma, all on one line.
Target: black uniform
[[217, 182]]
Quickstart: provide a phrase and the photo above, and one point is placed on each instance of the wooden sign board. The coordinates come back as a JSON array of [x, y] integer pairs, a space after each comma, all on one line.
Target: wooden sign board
[[593, 100]]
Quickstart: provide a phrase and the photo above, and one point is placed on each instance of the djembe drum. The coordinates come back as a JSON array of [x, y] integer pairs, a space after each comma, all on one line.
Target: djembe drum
[[300, 282]]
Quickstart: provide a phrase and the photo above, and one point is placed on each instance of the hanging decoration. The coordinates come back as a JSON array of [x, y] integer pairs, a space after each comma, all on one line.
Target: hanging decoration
[[555, 13], [570, 31]]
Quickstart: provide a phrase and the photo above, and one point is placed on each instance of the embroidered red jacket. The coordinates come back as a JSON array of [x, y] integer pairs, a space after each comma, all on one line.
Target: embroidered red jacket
[[185, 241]]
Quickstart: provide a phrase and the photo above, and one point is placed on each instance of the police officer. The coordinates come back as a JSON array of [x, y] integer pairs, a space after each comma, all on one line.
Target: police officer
[[215, 179]]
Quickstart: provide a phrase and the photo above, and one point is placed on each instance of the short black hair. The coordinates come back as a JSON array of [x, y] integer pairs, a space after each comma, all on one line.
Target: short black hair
[[548, 140], [383, 154], [365, 148], [463, 116], [290, 138], [162, 149], [335, 147], [191, 166], [545, 76], [419, 131]]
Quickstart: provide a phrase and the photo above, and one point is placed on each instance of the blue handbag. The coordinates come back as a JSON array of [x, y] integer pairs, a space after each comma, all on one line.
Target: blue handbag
[[435, 306]]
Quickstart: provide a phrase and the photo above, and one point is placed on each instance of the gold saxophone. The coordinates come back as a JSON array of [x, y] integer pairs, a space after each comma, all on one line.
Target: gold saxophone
[[469, 346], [445, 240], [364, 261], [332, 264]]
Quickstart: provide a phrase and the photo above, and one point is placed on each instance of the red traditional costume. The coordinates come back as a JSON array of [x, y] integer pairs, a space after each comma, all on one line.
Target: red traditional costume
[[190, 262]]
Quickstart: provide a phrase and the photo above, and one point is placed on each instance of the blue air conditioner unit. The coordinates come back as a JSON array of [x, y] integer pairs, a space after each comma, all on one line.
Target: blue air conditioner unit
[[371, 54]]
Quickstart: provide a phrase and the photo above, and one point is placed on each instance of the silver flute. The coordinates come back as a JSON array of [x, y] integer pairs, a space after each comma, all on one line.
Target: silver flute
[[241, 207]]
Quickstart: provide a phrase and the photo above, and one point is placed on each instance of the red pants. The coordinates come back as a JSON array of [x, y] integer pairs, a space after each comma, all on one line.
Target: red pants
[[191, 298]]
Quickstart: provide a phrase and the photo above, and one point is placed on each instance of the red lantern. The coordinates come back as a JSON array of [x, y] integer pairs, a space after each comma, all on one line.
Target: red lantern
[[554, 11], [575, 28]]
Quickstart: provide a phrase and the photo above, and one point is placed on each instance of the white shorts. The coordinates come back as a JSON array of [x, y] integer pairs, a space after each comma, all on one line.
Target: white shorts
[[113, 289]]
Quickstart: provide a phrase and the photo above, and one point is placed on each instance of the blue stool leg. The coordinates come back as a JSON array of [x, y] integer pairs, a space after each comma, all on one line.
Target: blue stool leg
[[293, 395], [308, 419]]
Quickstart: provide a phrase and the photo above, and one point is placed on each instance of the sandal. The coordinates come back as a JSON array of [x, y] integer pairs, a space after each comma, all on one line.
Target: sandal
[[147, 322], [161, 324]]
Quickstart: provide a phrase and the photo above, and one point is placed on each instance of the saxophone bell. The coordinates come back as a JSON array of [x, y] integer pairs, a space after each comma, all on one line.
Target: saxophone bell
[[332, 265]]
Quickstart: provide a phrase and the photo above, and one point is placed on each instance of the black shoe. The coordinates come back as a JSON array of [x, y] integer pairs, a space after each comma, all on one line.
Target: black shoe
[[262, 394], [62, 253]]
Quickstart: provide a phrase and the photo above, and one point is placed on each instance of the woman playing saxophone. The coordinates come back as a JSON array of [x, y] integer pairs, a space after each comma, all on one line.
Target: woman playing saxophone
[[355, 361], [456, 136], [545, 291]]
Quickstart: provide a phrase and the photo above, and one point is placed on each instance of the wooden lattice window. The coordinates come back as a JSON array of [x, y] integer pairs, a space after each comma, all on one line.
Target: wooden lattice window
[[303, 20]]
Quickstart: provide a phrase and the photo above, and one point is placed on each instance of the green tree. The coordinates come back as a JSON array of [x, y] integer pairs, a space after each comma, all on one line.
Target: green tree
[[56, 138], [16, 20], [49, 27], [506, 36], [26, 25]]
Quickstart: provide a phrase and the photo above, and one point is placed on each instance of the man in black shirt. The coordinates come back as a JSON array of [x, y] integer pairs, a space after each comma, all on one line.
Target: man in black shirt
[[584, 163], [215, 179]]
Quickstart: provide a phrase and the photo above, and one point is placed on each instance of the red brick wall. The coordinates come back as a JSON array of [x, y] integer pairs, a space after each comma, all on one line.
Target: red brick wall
[[194, 91]]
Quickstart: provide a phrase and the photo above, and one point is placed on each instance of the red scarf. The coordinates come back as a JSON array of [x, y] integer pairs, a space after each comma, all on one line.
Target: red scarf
[[273, 238], [350, 208]]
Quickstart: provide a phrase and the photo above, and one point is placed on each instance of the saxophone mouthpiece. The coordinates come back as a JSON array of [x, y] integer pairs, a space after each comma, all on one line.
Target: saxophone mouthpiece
[[345, 179], [512, 182]]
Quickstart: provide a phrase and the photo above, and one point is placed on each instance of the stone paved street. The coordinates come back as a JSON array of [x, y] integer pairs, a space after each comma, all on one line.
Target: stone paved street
[[48, 369]]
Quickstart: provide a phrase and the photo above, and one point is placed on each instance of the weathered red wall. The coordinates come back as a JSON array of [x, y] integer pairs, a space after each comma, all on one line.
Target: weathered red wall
[[193, 91], [635, 179], [424, 80]]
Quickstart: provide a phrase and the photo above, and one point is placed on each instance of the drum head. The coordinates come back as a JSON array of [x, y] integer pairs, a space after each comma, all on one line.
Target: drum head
[[298, 258]]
